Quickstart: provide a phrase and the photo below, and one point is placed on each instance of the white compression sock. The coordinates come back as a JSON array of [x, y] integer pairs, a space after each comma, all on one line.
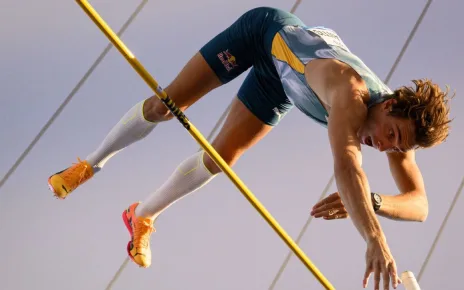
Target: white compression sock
[[131, 128], [189, 176]]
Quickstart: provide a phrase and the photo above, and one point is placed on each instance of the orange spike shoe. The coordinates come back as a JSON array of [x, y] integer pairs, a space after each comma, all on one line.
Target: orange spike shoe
[[140, 230], [64, 182]]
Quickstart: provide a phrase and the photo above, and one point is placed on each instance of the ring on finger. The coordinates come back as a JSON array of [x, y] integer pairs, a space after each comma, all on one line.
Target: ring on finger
[[332, 212]]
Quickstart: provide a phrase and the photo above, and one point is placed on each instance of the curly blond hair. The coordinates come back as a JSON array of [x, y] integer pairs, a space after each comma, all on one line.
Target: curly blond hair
[[427, 106]]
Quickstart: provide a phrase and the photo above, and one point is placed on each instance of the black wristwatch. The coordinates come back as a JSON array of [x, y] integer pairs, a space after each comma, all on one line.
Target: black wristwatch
[[376, 201]]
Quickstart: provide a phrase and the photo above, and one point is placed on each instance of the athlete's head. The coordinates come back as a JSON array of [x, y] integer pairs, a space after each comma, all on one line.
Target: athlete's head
[[410, 118]]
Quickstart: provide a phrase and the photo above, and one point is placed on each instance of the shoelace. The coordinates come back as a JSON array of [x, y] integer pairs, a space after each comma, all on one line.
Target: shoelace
[[142, 232], [79, 169]]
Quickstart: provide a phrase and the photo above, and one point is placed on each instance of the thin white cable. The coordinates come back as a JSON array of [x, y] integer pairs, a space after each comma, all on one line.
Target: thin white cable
[[440, 231], [298, 239], [117, 274], [387, 80]]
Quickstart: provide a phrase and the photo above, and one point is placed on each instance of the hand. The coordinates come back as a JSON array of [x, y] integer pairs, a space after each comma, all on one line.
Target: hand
[[330, 208], [380, 261]]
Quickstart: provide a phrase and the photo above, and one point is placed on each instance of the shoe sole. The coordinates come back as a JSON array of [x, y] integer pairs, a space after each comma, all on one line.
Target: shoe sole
[[131, 233]]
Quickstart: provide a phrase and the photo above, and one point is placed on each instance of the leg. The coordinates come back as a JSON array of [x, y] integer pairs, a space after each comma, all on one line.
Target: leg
[[241, 130], [221, 60], [195, 80], [260, 105], [251, 117]]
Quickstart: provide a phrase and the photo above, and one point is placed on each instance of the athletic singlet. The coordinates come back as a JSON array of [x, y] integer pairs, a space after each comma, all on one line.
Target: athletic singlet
[[294, 46]]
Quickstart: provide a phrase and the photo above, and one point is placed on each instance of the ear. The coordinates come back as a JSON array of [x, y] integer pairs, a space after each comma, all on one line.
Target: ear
[[386, 105]]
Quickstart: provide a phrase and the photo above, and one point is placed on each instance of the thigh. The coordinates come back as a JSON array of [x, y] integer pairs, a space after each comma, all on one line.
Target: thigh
[[241, 130], [194, 81]]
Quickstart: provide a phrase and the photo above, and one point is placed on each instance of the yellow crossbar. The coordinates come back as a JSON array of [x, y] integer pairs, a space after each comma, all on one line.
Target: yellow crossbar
[[201, 140]]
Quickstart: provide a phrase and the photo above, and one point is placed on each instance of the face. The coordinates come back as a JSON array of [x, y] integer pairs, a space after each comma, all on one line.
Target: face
[[386, 133]]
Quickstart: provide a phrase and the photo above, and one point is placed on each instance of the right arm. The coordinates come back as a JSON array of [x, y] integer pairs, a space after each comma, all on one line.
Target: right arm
[[346, 117]]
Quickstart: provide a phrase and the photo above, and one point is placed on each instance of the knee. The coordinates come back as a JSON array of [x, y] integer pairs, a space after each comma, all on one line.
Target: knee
[[155, 111], [211, 165]]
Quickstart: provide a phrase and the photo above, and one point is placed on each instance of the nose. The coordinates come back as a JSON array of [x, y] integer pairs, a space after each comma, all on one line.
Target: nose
[[380, 147], [383, 145]]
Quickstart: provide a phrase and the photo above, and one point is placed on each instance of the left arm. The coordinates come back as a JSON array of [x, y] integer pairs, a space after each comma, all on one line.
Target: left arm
[[411, 203]]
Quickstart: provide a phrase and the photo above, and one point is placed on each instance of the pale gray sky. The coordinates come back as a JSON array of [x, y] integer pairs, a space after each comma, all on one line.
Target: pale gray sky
[[212, 239]]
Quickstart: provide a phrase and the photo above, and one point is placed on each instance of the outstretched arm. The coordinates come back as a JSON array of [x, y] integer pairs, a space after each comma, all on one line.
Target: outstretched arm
[[345, 119], [348, 113], [411, 203]]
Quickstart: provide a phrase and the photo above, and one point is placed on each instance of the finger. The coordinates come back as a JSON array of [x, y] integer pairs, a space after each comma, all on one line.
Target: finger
[[376, 276], [386, 277], [367, 274], [320, 203], [394, 275], [337, 216], [330, 212], [328, 199], [327, 207]]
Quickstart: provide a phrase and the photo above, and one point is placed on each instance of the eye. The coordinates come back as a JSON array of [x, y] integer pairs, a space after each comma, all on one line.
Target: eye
[[391, 134]]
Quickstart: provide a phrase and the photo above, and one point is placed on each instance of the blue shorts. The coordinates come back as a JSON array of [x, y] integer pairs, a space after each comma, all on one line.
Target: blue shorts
[[248, 43]]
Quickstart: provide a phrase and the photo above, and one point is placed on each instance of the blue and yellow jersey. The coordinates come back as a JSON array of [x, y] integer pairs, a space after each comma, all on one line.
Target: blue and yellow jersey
[[294, 46]]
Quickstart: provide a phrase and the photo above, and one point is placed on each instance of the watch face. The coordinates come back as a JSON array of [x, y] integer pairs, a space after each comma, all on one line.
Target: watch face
[[377, 198]]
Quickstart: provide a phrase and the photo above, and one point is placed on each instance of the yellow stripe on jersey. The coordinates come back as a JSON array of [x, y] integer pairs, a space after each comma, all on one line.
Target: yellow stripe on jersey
[[282, 52]]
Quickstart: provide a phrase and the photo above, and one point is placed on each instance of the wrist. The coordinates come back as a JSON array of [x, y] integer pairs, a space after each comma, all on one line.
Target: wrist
[[375, 237], [376, 201]]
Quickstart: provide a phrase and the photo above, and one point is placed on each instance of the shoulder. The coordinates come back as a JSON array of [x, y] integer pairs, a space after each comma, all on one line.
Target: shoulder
[[346, 88], [335, 81]]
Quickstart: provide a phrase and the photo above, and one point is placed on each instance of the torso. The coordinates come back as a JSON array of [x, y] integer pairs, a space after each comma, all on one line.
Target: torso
[[304, 58]]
